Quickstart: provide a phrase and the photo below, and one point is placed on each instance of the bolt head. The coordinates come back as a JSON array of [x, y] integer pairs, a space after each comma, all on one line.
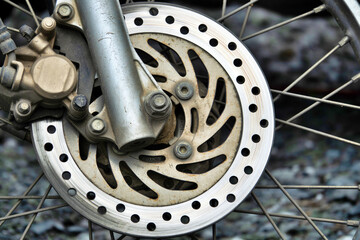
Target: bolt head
[[183, 150], [24, 107], [158, 105], [64, 11], [97, 126], [79, 103], [159, 101]]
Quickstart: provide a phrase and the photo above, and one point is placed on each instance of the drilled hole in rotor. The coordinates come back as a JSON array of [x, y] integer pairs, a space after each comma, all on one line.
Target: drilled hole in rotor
[[120, 207], [184, 30], [66, 175], [214, 202], [169, 19], [194, 120], [202, 28], [101, 210], [255, 138], [255, 90], [171, 183], [135, 183], [264, 123], [253, 108], [219, 137], [248, 170], [48, 147], [166, 216], [152, 159], [240, 79], [103, 164], [201, 73], [232, 46], [63, 157], [153, 11], [91, 195], [185, 219], [170, 55], [138, 21], [201, 167], [213, 42], [147, 58], [237, 62], [230, 197], [233, 180], [245, 152], [51, 129], [151, 227], [135, 218], [196, 205], [84, 147], [219, 102]]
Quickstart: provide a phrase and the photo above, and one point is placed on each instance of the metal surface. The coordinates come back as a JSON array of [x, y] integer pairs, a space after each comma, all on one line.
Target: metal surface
[[190, 209], [123, 86]]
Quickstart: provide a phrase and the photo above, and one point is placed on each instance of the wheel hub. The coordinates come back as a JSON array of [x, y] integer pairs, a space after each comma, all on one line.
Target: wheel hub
[[208, 157]]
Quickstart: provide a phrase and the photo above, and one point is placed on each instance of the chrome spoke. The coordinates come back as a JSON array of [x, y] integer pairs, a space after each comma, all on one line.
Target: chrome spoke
[[21, 8], [214, 231], [316, 99], [340, 44], [351, 223], [223, 11], [27, 197], [246, 19], [314, 11], [281, 235], [90, 230], [35, 214], [309, 187], [25, 194], [318, 132], [34, 211], [13, 29], [32, 12], [295, 204], [236, 10]]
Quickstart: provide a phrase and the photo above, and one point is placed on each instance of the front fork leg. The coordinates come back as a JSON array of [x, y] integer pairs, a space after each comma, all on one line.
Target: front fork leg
[[134, 101]]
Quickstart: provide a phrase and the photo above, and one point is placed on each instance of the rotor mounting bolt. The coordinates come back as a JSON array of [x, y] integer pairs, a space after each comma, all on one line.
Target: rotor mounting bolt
[[65, 11], [183, 150], [79, 103], [97, 126], [158, 105], [184, 90]]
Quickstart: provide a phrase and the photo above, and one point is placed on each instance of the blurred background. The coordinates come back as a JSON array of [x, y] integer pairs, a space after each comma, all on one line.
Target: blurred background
[[297, 158]]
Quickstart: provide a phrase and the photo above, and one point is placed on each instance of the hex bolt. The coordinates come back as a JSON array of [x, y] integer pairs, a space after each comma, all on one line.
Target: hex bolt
[[23, 107], [97, 126], [27, 32], [79, 103], [65, 11], [184, 90], [48, 26], [183, 150], [158, 105]]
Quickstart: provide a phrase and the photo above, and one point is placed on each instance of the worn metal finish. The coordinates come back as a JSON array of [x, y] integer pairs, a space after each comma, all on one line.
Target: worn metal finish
[[213, 187], [121, 83]]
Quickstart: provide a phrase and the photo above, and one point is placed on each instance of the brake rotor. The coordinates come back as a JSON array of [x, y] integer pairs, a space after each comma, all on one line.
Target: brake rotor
[[208, 157]]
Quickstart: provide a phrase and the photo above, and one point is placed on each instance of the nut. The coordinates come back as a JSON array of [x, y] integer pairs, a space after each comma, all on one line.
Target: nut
[[183, 150], [97, 126], [184, 90], [158, 105], [79, 103], [65, 11]]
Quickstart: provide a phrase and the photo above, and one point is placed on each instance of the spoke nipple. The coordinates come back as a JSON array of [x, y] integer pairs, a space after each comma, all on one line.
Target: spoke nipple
[[184, 90], [183, 150], [65, 11], [97, 126]]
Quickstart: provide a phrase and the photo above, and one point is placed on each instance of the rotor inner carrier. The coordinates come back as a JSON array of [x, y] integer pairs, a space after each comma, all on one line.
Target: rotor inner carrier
[[210, 153]]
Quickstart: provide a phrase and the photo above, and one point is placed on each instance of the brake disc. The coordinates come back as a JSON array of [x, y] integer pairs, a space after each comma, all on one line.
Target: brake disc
[[208, 157]]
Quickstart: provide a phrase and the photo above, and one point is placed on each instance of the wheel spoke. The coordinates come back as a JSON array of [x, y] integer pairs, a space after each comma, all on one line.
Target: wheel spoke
[[223, 11], [281, 235], [25, 194], [315, 10], [27, 197], [112, 236], [214, 231], [295, 204], [309, 187], [34, 211], [318, 132], [35, 214], [316, 99], [32, 12], [246, 19], [351, 223], [237, 10], [340, 44], [13, 29], [90, 230], [21, 8]]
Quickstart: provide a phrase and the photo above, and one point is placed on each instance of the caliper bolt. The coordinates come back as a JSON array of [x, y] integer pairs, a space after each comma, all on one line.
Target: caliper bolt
[[27, 32], [65, 11], [48, 26], [79, 103], [183, 150], [158, 105], [184, 90], [24, 107], [97, 126]]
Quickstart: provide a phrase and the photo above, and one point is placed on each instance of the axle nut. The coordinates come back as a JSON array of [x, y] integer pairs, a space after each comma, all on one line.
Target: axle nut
[[183, 150], [158, 105], [184, 90], [97, 126]]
